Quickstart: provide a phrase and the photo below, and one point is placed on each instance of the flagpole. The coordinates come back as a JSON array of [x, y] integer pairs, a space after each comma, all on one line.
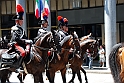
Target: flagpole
[[42, 11], [49, 18]]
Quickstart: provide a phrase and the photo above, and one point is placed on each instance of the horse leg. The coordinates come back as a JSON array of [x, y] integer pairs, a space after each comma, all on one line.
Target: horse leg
[[84, 74], [63, 73], [41, 78], [20, 76], [79, 76], [5, 76], [73, 76], [50, 74], [36, 78]]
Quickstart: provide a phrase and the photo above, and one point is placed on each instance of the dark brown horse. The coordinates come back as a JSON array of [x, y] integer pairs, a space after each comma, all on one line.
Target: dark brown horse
[[76, 62], [36, 65], [116, 62], [57, 64]]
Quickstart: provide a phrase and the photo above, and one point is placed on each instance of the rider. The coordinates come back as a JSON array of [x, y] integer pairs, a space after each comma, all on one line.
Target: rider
[[63, 27], [19, 40], [44, 24], [63, 31]]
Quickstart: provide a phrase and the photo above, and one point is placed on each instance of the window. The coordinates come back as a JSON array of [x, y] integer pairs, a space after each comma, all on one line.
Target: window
[[65, 4], [27, 6], [13, 7], [8, 7], [120, 1], [59, 4], [53, 4], [3, 7], [70, 4], [6, 21], [92, 3], [99, 3], [31, 6], [76, 3], [84, 3]]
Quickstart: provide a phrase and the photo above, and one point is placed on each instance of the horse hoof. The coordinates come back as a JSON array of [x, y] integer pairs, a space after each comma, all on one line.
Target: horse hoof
[[46, 78], [70, 82], [86, 82]]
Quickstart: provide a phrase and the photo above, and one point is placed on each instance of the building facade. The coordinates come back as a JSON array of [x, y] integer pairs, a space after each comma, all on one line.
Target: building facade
[[85, 16]]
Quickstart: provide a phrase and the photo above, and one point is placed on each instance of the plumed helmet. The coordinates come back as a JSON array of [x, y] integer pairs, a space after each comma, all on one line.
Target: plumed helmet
[[63, 21], [20, 12], [45, 17]]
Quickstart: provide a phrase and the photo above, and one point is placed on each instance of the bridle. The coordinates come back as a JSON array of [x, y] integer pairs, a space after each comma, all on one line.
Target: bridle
[[93, 46]]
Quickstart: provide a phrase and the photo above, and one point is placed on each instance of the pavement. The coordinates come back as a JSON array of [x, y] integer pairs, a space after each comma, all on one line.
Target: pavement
[[96, 68]]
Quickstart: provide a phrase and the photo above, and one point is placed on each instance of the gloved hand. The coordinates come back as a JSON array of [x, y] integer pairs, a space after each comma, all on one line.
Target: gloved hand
[[11, 44], [29, 41]]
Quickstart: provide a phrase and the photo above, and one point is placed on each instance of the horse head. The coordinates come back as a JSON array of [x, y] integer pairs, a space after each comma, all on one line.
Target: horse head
[[90, 44], [66, 43], [42, 46], [93, 49], [76, 42]]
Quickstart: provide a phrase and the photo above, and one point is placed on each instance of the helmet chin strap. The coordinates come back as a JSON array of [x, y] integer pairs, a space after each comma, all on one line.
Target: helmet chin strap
[[18, 23]]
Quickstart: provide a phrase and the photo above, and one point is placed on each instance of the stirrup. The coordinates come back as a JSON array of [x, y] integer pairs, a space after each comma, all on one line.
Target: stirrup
[[4, 68], [19, 70]]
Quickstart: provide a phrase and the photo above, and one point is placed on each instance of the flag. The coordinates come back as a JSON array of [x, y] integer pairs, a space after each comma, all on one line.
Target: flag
[[46, 7], [39, 6]]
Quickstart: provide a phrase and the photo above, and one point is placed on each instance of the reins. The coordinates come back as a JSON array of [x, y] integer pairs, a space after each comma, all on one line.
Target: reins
[[47, 49]]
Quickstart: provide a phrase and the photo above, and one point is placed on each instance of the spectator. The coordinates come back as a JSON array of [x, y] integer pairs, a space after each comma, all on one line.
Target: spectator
[[101, 56], [90, 59]]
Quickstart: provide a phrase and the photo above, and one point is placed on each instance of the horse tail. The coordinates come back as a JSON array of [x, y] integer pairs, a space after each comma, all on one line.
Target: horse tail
[[114, 66]]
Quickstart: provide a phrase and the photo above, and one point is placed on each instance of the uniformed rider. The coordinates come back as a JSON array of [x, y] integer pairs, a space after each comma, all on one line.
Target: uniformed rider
[[63, 25], [63, 31], [18, 42], [44, 24]]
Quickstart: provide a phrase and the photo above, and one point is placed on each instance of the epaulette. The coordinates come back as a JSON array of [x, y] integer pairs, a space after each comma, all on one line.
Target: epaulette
[[14, 28]]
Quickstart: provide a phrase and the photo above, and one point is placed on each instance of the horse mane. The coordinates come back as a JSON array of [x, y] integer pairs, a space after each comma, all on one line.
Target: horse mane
[[41, 39], [65, 40], [114, 66], [86, 41]]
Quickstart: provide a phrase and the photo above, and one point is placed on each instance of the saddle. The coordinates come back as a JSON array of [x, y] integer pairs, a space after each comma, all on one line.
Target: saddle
[[9, 59]]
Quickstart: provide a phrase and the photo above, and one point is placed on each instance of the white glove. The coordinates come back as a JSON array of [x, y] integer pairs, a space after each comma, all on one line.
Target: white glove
[[29, 41]]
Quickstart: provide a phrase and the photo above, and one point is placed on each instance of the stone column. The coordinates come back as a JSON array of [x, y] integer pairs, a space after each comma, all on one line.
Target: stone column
[[118, 33], [49, 18], [110, 26], [23, 4], [103, 33], [0, 17]]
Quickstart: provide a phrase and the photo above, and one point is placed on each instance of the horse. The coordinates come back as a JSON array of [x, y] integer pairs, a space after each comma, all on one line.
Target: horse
[[116, 62], [76, 62], [35, 63], [55, 64]]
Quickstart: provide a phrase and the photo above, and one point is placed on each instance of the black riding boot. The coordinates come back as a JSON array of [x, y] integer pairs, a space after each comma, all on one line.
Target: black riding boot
[[18, 65], [59, 48]]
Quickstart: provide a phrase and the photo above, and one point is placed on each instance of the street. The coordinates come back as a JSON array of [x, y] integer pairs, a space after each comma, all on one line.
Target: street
[[92, 76]]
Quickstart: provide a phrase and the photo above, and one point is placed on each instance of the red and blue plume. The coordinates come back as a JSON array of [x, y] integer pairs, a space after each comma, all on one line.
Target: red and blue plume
[[19, 9], [65, 20], [60, 18], [45, 16]]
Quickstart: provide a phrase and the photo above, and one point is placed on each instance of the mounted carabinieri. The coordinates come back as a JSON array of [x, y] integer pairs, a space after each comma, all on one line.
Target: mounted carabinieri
[[18, 43]]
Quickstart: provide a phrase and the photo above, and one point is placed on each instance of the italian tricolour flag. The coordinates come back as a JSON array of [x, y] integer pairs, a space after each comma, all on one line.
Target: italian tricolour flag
[[40, 7], [46, 7]]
